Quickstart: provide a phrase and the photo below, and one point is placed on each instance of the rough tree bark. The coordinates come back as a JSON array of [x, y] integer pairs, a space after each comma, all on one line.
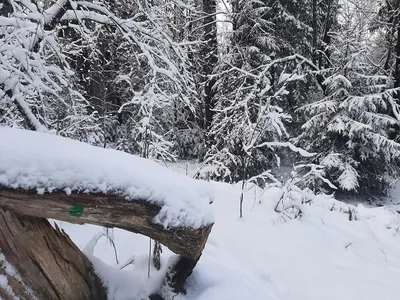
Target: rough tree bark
[[48, 263], [108, 211]]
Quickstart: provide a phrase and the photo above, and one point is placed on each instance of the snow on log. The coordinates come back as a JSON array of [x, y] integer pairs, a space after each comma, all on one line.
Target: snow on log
[[46, 176], [46, 163]]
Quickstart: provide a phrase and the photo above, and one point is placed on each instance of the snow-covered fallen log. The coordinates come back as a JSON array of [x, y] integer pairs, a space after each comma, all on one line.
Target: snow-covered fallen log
[[108, 211], [47, 176]]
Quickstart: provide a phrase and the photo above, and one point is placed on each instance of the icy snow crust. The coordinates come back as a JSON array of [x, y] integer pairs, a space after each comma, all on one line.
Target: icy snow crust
[[46, 162]]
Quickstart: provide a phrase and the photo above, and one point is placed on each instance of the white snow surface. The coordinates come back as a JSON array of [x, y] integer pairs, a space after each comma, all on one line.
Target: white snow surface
[[323, 255], [47, 163], [263, 256]]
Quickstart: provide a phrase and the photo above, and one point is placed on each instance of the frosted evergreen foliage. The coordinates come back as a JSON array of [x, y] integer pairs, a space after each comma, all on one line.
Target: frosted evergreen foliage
[[349, 127], [248, 124]]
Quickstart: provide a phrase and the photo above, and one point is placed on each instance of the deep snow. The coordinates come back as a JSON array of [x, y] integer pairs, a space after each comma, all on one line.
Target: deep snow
[[323, 255]]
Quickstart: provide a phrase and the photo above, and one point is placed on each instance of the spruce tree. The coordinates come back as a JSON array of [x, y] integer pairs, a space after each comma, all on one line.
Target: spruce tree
[[248, 124], [349, 127]]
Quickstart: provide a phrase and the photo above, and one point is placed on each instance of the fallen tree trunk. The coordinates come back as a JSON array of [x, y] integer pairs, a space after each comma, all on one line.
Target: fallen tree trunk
[[40, 262], [108, 211]]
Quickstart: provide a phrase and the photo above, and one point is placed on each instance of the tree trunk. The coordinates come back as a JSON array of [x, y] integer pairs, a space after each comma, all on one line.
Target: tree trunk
[[315, 31], [326, 40], [29, 242], [395, 132], [108, 211], [47, 262], [397, 63], [210, 59]]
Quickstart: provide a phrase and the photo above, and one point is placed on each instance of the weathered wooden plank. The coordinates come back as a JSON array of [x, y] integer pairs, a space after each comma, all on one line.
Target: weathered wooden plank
[[48, 263], [108, 211]]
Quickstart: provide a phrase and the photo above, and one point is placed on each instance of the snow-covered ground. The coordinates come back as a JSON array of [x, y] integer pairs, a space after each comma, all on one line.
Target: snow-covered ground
[[393, 201], [323, 255]]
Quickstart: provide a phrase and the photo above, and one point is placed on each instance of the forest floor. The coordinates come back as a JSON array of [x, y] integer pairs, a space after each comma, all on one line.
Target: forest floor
[[265, 255]]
